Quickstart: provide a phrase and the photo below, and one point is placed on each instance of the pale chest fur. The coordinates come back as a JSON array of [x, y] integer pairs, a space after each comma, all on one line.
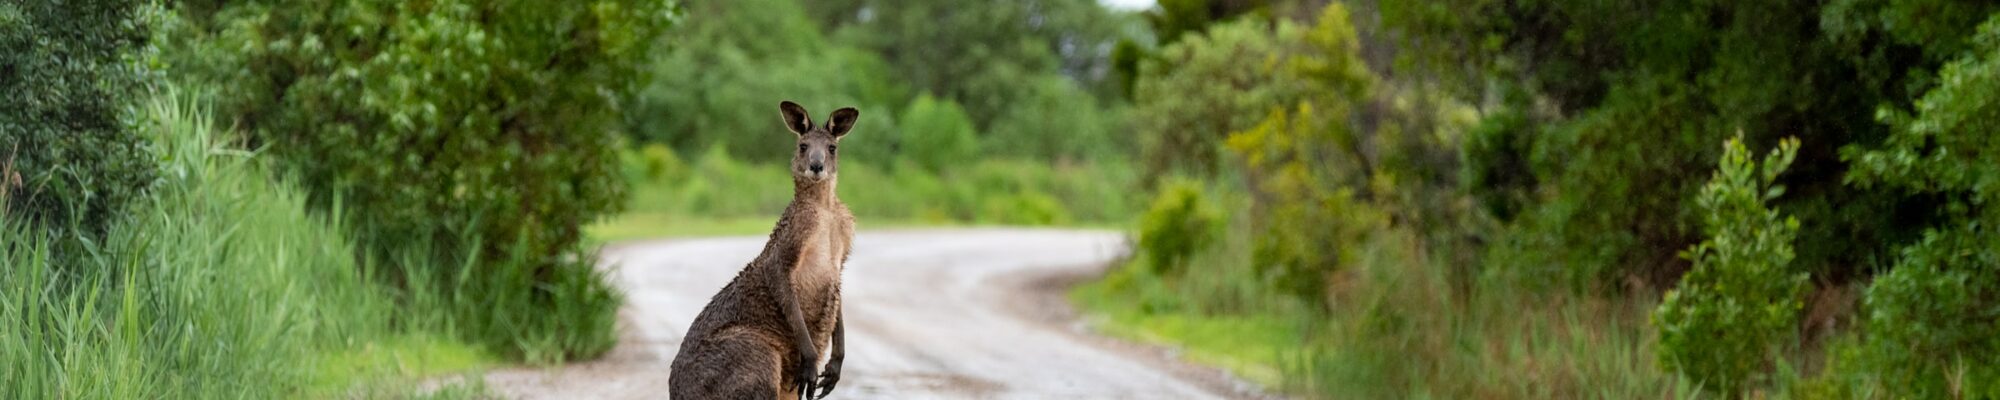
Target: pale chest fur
[[825, 248], [817, 278]]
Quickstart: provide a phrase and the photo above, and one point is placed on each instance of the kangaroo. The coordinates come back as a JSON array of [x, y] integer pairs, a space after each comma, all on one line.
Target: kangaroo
[[770, 331]]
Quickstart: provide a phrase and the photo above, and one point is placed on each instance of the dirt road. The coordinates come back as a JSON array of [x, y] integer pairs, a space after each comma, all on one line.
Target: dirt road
[[974, 313]]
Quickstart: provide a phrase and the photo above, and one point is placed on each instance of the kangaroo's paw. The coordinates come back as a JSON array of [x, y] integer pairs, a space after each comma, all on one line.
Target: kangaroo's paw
[[805, 379], [828, 378]]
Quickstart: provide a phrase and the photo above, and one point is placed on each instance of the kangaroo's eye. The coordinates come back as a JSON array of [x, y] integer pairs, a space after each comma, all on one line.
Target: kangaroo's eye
[[802, 147], [831, 148]]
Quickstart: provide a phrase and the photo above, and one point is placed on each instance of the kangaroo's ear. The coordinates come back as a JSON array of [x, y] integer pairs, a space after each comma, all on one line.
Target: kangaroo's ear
[[841, 121], [796, 118]]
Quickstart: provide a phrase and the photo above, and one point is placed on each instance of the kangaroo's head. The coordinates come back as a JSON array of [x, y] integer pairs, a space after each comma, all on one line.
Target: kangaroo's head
[[817, 158]]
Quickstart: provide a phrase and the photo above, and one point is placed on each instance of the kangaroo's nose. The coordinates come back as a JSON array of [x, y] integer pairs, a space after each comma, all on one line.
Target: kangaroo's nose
[[818, 167]]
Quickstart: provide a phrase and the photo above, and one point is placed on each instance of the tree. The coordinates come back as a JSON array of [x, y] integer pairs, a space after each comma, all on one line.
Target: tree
[[476, 129], [1615, 122], [1930, 319], [1203, 88], [720, 82], [974, 52], [937, 134], [1171, 20], [69, 70]]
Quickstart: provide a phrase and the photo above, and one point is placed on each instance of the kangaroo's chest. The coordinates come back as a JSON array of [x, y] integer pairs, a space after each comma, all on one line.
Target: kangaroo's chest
[[821, 255], [817, 278]]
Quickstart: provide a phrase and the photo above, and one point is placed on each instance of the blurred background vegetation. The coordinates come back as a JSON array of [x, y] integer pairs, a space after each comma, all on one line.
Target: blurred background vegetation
[[1378, 199]]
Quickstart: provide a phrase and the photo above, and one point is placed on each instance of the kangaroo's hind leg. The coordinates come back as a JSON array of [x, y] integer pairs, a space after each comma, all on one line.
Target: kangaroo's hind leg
[[738, 366]]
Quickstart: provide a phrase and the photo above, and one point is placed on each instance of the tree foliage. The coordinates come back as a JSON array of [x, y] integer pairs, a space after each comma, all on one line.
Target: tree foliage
[[68, 156], [488, 127], [719, 83], [1201, 89], [1346, 158], [1619, 118], [976, 52], [1170, 20], [1932, 318], [937, 134], [1597, 112], [1022, 71]]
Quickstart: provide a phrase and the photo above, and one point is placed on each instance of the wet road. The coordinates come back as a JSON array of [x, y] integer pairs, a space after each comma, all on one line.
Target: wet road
[[966, 313]]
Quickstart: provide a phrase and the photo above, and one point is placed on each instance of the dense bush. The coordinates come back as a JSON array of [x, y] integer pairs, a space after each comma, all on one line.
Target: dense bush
[[1618, 123], [721, 82], [988, 56], [718, 84], [1735, 311], [1308, 221], [1931, 320], [68, 70], [1056, 120], [1201, 89], [1179, 224], [1494, 163], [937, 135], [488, 127], [1322, 182]]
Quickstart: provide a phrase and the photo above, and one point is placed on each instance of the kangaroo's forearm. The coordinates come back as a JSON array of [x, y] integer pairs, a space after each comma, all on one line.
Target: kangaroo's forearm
[[839, 333], [794, 317]]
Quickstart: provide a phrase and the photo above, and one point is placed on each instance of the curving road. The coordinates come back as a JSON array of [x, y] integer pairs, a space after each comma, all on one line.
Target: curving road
[[966, 313]]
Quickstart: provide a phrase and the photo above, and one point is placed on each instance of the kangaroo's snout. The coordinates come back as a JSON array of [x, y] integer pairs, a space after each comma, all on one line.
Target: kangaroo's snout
[[817, 159]]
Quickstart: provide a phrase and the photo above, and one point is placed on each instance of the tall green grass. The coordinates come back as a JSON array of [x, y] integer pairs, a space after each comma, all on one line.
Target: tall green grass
[[550, 315], [1400, 323], [220, 284]]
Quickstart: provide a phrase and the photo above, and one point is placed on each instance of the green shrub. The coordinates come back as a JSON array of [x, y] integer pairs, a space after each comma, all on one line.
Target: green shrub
[[720, 81], [660, 163], [1179, 224], [1309, 217], [1202, 89], [1619, 126], [982, 55], [517, 305], [1737, 310], [1495, 166], [1319, 193], [67, 69], [938, 135], [489, 127], [1930, 322], [1933, 321], [1054, 120], [1024, 208]]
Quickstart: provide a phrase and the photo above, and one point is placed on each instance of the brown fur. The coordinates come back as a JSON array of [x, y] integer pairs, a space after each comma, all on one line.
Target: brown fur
[[775, 330]]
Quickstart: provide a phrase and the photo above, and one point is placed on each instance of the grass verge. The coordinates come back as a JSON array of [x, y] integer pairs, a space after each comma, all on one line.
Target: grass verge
[[220, 284], [1397, 325], [716, 194]]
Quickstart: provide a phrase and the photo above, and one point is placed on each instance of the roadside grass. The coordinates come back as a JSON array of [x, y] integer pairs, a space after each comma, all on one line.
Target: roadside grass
[[653, 225], [221, 284], [1251, 346], [398, 362], [716, 194], [1399, 325], [646, 225]]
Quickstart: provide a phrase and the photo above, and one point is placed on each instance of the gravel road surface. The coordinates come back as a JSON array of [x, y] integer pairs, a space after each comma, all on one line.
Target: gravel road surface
[[961, 313]]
